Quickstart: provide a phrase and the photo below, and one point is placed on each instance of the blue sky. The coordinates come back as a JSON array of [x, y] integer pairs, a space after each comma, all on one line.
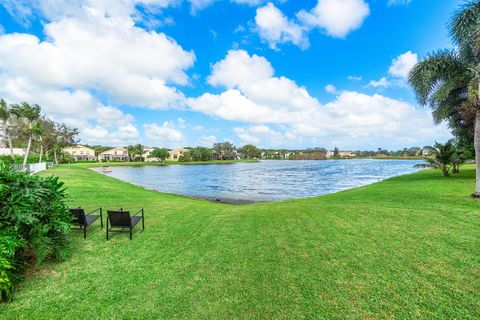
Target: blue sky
[[280, 74]]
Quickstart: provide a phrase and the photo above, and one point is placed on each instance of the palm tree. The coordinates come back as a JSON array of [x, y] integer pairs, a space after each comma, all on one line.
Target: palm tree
[[448, 81], [442, 157], [30, 114], [5, 117]]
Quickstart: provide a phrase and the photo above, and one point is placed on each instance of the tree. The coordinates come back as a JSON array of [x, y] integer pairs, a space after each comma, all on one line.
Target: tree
[[448, 81], [224, 151], [442, 157], [200, 154], [250, 151], [5, 117], [336, 153], [161, 153], [63, 136], [135, 152], [29, 113]]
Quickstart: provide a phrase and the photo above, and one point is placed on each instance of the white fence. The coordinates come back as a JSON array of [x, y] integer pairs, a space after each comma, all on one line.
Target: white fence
[[34, 168]]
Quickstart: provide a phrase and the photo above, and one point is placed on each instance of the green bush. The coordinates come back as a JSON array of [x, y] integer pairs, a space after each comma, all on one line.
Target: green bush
[[19, 159], [34, 223]]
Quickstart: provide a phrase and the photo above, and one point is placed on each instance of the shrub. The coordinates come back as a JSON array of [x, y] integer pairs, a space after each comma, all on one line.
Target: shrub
[[34, 220]]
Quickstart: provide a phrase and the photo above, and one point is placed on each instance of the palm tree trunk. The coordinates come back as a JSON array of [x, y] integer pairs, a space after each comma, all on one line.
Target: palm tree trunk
[[27, 152], [41, 153], [55, 155], [9, 139], [477, 153]]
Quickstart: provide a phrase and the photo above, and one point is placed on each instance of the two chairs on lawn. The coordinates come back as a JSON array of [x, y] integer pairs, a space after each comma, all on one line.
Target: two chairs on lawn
[[117, 221]]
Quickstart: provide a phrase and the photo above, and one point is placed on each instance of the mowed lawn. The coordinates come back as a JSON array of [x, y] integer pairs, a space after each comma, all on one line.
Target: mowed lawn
[[405, 248]]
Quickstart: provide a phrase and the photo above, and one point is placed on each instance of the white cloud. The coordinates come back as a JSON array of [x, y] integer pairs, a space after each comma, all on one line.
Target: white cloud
[[206, 141], [398, 2], [330, 88], [383, 82], [336, 17], [93, 46], [164, 135], [402, 65], [352, 119], [275, 28], [355, 78]]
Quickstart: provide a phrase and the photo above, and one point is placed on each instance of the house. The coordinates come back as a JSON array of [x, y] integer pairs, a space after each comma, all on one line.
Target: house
[[330, 154], [346, 154], [16, 152], [147, 155], [81, 153], [115, 154], [175, 154]]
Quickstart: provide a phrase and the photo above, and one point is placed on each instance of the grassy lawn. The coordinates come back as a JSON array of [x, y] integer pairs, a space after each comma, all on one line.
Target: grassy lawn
[[406, 248]]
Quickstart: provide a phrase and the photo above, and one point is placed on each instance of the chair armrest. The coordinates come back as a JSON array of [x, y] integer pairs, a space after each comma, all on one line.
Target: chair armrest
[[141, 210]]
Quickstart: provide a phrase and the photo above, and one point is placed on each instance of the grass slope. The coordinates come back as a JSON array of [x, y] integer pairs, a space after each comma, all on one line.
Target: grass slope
[[407, 247]]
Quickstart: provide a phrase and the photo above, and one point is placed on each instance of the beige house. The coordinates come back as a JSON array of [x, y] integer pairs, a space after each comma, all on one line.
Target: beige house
[[147, 155], [115, 154], [80, 152], [176, 153]]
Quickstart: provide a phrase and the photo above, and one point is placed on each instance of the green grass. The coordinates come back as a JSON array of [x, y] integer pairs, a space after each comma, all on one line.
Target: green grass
[[405, 248]]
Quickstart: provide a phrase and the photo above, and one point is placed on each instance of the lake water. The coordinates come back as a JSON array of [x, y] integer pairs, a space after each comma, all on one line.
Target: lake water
[[264, 180]]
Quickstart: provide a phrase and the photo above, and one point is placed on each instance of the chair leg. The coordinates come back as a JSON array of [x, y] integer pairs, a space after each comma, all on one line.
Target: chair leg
[[106, 229], [101, 218], [130, 233], [84, 232]]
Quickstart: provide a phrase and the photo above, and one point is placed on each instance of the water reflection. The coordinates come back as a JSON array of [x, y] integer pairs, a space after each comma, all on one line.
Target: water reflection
[[264, 180]]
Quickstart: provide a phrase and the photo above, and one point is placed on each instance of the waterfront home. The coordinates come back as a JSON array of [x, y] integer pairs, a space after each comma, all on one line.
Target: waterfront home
[[346, 154], [175, 154], [147, 155], [330, 154], [81, 153], [16, 152], [115, 154]]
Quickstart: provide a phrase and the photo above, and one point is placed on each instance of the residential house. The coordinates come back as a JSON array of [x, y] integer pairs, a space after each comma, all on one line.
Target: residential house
[[147, 155], [330, 154], [115, 154], [16, 152], [175, 154], [346, 154], [81, 153]]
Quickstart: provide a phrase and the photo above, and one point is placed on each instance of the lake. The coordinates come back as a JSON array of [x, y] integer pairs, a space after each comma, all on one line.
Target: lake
[[267, 180]]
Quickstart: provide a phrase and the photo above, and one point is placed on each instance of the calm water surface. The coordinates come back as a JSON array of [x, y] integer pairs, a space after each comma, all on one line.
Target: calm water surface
[[264, 180]]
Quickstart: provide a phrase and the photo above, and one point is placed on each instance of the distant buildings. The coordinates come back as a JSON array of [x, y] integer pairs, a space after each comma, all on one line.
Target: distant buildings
[[341, 154], [175, 154], [115, 154], [81, 153]]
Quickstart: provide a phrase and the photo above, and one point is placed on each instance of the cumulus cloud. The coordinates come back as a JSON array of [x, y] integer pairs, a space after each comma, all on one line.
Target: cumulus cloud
[[355, 78], [89, 47], [166, 134], [402, 65], [330, 88], [336, 17], [264, 99], [274, 28], [383, 82]]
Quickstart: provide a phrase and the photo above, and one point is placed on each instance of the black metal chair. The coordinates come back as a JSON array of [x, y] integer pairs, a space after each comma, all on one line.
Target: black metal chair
[[84, 220], [123, 220]]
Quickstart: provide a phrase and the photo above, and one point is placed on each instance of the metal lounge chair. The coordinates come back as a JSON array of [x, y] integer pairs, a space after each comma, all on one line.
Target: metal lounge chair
[[84, 220], [120, 219]]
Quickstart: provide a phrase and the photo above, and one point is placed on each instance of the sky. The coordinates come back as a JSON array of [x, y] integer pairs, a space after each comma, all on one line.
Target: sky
[[278, 74]]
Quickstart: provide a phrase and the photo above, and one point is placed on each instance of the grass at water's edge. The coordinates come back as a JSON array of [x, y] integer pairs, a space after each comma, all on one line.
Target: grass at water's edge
[[407, 247]]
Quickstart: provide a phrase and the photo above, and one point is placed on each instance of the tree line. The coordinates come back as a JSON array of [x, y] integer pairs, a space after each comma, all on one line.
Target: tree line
[[23, 125]]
